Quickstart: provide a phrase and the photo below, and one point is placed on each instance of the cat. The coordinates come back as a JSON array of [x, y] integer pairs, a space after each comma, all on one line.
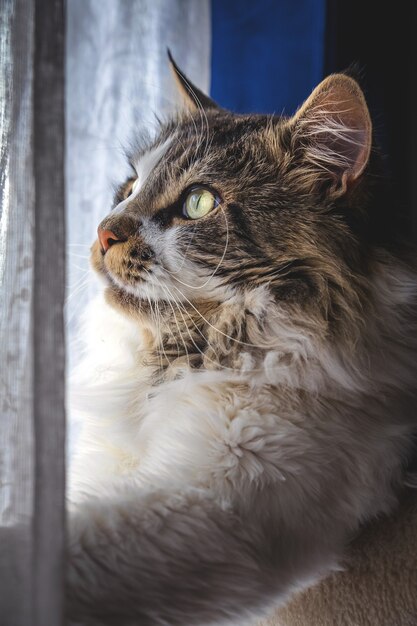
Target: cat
[[248, 382]]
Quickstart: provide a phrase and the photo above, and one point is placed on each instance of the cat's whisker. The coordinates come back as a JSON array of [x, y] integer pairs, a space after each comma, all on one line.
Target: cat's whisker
[[203, 117], [178, 326], [224, 251], [200, 137], [153, 317], [81, 283], [158, 331], [203, 113], [168, 360], [207, 342], [269, 276], [244, 343], [79, 268], [197, 287], [187, 154], [186, 250], [79, 256], [173, 336], [165, 290], [179, 305], [203, 354], [245, 253], [157, 327], [70, 315]]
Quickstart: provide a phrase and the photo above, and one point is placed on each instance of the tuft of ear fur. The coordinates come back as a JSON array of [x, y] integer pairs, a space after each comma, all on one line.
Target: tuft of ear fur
[[193, 97], [332, 133]]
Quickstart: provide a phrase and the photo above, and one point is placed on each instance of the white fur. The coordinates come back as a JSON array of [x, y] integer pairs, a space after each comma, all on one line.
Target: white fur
[[213, 496], [144, 167]]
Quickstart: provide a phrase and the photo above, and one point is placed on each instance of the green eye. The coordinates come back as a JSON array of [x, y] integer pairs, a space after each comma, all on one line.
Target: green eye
[[198, 203]]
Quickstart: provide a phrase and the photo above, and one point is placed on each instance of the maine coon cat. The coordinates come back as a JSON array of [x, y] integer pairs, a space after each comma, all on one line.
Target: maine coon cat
[[248, 385]]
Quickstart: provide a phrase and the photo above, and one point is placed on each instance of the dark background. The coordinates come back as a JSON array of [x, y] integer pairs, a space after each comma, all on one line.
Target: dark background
[[267, 57]]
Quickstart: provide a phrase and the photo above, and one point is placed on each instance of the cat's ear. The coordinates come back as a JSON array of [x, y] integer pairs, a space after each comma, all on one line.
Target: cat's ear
[[331, 134], [192, 97]]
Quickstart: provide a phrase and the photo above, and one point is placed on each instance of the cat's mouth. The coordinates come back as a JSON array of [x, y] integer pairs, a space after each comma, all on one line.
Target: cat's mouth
[[125, 269], [119, 265]]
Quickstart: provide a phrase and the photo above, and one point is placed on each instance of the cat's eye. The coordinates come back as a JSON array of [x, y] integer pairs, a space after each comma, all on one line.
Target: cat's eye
[[134, 186], [129, 188], [199, 202]]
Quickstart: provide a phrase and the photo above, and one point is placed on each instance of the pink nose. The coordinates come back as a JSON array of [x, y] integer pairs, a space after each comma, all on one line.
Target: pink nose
[[106, 238]]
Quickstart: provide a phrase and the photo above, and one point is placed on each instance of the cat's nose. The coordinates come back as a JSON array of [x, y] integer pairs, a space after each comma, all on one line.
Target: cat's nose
[[107, 238]]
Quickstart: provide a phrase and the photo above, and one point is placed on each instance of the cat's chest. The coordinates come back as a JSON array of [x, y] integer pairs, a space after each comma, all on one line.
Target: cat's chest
[[181, 429]]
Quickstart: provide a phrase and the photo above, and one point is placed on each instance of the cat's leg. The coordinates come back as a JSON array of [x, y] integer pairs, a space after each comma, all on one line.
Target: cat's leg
[[183, 558]]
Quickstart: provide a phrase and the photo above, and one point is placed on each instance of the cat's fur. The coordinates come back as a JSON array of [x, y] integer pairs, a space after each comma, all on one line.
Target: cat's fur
[[248, 387]]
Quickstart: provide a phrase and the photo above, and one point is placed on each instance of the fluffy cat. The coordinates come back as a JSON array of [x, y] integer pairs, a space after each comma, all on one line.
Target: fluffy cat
[[248, 384]]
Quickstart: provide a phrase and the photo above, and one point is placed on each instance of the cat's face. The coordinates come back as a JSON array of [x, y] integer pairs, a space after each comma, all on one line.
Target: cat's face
[[223, 202]]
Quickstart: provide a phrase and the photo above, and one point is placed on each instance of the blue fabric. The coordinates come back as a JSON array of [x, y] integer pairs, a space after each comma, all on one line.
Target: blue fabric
[[267, 55]]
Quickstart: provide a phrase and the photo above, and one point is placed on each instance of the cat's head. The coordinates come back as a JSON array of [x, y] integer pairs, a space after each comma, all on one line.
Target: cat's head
[[220, 204]]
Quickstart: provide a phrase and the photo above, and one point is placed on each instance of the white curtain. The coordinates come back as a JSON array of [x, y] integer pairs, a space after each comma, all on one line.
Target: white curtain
[[118, 79], [115, 78], [32, 285]]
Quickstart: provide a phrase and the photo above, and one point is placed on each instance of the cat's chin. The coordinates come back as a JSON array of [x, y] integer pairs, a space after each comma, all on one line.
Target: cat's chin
[[131, 299], [125, 302]]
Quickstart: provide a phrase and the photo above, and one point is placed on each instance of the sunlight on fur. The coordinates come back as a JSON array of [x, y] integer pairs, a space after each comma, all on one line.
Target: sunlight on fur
[[247, 385]]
